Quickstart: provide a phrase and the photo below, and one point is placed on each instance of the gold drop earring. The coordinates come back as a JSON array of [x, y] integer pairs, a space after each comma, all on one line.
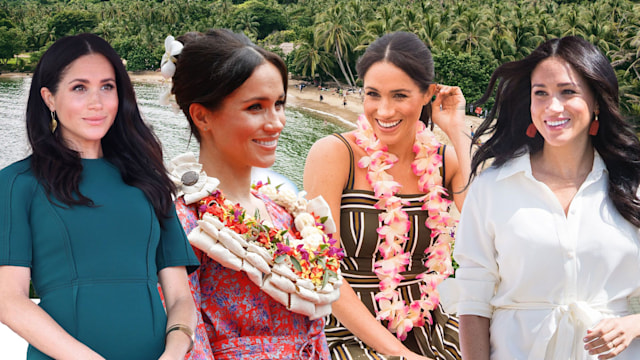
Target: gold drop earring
[[54, 123]]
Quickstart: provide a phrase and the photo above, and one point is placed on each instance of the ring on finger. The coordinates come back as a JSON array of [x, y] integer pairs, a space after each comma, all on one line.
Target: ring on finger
[[612, 345]]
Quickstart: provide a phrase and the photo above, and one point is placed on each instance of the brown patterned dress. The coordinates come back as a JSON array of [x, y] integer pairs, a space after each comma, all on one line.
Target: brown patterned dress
[[359, 239]]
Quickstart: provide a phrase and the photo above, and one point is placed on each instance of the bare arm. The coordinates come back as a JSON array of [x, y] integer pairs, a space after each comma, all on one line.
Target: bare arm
[[326, 172], [474, 337], [180, 310], [451, 120], [32, 323]]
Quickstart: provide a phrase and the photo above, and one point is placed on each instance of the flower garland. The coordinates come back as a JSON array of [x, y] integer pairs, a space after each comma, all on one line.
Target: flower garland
[[298, 267], [311, 251], [395, 225]]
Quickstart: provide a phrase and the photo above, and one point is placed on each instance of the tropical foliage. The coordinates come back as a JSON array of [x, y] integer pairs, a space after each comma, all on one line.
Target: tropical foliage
[[468, 38]]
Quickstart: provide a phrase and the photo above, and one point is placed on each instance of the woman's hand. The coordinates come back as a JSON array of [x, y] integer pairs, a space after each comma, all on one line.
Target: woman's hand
[[612, 336], [448, 109]]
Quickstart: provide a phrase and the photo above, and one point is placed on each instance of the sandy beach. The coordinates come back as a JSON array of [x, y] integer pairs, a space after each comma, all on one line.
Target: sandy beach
[[331, 108], [332, 103]]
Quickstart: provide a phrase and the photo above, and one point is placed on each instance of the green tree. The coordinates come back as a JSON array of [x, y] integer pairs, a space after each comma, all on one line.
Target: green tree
[[470, 32], [69, 22], [335, 36], [138, 57], [11, 43], [307, 59], [247, 23], [468, 71], [269, 16]]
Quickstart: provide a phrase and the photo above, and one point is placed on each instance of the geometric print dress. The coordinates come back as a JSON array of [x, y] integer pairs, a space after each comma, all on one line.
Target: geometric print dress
[[359, 240]]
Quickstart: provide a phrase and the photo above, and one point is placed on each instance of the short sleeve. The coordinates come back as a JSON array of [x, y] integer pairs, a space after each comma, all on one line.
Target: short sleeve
[[473, 287], [16, 194], [174, 248]]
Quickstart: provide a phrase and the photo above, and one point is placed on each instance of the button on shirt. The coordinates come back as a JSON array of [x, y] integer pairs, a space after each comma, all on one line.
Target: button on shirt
[[542, 277]]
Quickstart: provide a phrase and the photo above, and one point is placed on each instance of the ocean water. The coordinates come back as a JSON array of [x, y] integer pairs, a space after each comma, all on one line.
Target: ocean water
[[171, 127]]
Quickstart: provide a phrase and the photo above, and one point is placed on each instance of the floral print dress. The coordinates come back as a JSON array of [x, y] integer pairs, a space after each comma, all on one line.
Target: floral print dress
[[237, 320]]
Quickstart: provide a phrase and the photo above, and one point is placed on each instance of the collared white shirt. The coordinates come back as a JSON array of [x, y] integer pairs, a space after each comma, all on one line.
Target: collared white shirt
[[542, 277]]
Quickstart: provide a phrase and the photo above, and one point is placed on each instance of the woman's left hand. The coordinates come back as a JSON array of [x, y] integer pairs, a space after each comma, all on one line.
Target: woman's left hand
[[448, 109], [612, 336]]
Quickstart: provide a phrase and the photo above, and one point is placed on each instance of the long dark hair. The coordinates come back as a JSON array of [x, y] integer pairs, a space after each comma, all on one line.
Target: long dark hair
[[407, 52], [129, 144], [616, 141], [213, 65]]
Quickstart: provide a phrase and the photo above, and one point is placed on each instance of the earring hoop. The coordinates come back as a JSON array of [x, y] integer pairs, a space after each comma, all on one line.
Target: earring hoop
[[54, 123]]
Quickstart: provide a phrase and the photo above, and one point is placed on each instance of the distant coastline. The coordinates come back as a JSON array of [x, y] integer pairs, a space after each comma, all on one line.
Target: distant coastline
[[331, 108]]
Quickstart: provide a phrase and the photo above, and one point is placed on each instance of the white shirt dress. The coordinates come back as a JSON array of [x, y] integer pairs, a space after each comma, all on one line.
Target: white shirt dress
[[542, 277]]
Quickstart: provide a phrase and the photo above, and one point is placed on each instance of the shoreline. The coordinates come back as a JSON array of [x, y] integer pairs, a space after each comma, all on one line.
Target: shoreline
[[307, 100]]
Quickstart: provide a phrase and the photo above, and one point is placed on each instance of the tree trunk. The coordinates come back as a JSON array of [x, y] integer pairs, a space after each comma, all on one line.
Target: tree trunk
[[353, 79], [341, 65]]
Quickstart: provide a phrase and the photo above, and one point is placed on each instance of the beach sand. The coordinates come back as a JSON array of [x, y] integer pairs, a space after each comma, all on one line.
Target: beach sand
[[331, 108], [332, 103]]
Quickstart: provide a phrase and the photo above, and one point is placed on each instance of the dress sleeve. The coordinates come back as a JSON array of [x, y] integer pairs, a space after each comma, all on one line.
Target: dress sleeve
[[473, 287], [16, 194], [174, 248]]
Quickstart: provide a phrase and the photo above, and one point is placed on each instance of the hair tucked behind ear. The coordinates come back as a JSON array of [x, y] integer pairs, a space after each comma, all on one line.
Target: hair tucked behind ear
[[213, 65], [407, 52], [616, 141], [129, 144]]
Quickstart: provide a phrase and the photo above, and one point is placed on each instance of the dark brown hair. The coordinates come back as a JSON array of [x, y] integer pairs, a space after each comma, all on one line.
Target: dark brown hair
[[407, 52], [213, 65], [507, 121], [129, 144]]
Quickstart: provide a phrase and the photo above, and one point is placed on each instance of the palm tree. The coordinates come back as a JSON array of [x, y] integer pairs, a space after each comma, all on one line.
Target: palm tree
[[248, 24], [470, 31], [523, 32], [433, 32], [334, 35], [572, 22], [308, 59]]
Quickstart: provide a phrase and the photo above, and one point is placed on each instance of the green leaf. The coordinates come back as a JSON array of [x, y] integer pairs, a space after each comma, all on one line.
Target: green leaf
[[331, 274], [323, 219], [295, 263], [280, 258], [325, 279]]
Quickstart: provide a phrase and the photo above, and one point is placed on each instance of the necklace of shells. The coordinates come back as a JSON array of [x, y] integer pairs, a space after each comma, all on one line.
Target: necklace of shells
[[298, 267]]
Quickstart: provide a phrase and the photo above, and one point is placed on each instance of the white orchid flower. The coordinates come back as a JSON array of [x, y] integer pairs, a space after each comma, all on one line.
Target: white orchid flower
[[172, 48]]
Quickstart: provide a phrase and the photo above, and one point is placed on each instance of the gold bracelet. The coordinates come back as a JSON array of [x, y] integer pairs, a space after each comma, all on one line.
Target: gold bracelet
[[186, 330]]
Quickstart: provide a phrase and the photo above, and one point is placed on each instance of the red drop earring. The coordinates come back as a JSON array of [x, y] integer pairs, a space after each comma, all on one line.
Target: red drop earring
[[531, 131], [595, 125]]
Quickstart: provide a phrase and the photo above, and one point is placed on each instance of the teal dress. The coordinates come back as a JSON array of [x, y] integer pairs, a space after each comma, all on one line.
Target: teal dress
[[94, 268]]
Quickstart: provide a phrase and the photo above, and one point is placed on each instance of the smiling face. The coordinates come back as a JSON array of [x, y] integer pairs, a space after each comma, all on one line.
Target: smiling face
[[86, 103], [392, 103], [562, 104], [246, 127]]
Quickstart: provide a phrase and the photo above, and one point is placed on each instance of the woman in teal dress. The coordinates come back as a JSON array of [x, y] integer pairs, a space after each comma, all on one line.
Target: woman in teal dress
[[88, 217]]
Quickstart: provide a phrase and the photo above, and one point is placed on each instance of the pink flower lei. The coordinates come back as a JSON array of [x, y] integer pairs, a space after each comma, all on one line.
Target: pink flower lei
[[392, 234]]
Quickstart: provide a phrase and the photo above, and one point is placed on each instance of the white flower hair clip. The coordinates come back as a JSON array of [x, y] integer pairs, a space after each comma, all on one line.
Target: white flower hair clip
[[172, 48]]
